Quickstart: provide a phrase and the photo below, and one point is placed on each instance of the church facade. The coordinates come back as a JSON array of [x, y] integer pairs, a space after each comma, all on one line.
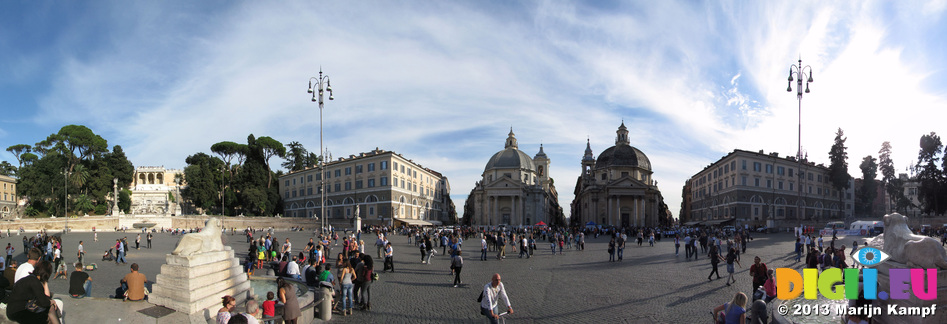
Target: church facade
[[514, 190], [617, 188]]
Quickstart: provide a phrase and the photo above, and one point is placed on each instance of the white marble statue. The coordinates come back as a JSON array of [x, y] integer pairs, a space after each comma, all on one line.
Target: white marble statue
[[904, 246], [207, 240]]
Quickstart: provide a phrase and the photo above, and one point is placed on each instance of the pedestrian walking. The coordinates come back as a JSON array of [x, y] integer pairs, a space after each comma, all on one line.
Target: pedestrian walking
[[149, 236], [611, 250], [389, 258], [457, 264], [715, 259], [731, 258]]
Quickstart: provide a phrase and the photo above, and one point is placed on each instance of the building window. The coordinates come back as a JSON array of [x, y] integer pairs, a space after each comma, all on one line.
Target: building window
[[819, 178], [358, 184], [733, 165], [287, 183], [328, 174], [371, 183], [338, 173], [604, 175], [743, 179], [348, 185], [294, 181], [358, 169], [769, 183], [810, 176], [371, 167], [309, 178], [384, 181], [338, 187], [744, 164], [781, 170], [309, 191], [790, 172], [757, 166], [348, 171], [394, 165], [779, 185], [294, 193], [810, 189], [769, 168], [402, 184], [286, 195], [756, 182], [402, 168], [383, 165], [318, 176]]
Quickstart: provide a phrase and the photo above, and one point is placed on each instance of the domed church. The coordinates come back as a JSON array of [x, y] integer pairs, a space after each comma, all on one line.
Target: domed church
[[515, 190], [616, 189]]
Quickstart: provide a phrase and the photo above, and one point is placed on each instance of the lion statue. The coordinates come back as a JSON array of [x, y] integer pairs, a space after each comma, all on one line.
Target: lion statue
[[207, 240], [904, 246]]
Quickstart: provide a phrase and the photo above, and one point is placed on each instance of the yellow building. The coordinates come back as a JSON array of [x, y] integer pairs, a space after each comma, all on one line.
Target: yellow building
[[8, 196], [378, 185]]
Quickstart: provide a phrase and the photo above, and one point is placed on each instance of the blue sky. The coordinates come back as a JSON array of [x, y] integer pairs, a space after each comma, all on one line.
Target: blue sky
[[442, 82]]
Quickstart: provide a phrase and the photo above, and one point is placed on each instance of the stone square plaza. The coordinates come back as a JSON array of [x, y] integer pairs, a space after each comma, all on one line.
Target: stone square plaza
[[650, 285]]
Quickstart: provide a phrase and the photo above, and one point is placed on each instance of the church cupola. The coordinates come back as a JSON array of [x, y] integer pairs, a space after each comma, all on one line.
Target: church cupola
[[622, 138], [511, 140], [588, 152]]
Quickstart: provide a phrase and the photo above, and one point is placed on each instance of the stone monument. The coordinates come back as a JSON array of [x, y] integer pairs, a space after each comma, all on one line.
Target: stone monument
[[115, 197], [907, 250], [198, 273]]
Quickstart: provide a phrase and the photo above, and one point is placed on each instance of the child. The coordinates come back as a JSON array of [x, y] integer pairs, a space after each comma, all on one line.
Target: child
[[269, 307]]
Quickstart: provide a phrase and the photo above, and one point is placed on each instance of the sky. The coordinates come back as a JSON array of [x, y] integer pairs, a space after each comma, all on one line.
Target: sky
[[442, 82]]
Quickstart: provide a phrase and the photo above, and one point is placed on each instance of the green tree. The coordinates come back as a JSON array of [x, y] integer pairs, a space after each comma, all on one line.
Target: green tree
[[79, 176], [18, 150], [83, 204], [77, 143], [930, 178], [886, 166], [868, 191], [295, 157], [7, 169], [838, 169], [125, 200], [204, 180], [270, 148]]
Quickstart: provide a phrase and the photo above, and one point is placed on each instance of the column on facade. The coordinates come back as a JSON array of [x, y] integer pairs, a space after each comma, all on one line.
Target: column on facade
[[495, 209], [608, 207], [513, 211], [637, 198], [618, 209]]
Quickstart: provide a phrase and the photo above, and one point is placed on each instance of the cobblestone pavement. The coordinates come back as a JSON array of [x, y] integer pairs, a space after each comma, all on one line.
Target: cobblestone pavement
[[651, 284]]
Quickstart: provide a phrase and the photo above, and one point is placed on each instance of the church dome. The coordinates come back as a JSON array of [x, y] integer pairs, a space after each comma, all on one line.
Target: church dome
[[623, 156], [510, 157]]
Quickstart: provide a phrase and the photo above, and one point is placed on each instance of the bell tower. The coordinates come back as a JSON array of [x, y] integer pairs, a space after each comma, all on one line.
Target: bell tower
[[542, 166], [587, 160]]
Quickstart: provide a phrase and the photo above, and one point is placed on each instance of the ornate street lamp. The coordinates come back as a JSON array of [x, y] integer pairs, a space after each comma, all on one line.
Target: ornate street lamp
[[801, 72], [316, 89]]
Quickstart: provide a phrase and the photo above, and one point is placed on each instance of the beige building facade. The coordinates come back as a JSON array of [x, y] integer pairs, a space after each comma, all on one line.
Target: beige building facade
[[765, 189], [8, 198], [377, 185], [152, 190]]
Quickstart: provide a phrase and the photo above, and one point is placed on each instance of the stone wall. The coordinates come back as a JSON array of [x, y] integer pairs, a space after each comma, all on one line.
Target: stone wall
[[108, 223]]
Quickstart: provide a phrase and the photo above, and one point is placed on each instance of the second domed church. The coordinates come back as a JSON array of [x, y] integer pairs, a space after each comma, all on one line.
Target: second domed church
[[617, 189]]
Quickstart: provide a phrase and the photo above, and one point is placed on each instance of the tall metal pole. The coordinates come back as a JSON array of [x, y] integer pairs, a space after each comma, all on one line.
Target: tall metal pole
[[317, 97], [65, 200], [801, 74]]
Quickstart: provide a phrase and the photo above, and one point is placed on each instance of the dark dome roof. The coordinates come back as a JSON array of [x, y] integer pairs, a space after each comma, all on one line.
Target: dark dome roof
[[623, 155], [510, 158]]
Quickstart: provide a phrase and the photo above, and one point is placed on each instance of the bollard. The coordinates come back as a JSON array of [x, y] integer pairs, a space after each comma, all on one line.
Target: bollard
[[325, 308]]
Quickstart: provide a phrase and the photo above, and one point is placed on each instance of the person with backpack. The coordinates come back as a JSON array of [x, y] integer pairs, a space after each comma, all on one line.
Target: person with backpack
[[733, 312]]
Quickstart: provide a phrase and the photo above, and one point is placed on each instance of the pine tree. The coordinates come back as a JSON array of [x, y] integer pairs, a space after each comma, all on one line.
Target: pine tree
[[838, 169]]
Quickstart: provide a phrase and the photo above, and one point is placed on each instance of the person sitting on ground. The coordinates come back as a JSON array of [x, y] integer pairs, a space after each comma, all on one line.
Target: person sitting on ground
[[135, 281], [25, 269], [80, 284], [10, 273], [734, 311], [34, 288], [223, 314], [61, 271]]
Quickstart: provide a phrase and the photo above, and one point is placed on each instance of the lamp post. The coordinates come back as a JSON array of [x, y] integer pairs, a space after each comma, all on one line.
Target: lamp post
[[65, 185], [223, 194], [316, 89], [800, 72]]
